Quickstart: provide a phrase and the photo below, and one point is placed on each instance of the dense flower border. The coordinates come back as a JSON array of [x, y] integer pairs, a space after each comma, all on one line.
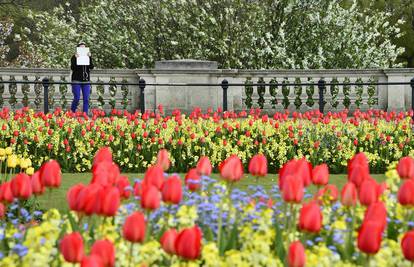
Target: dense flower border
[[73, 139], [209, 223]]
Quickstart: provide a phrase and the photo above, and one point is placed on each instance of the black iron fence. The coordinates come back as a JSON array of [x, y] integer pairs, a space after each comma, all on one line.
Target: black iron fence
[[224, 85]]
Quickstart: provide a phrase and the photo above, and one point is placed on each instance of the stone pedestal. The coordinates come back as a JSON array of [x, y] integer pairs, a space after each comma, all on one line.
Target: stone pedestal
[[186, 98], [398, 95]]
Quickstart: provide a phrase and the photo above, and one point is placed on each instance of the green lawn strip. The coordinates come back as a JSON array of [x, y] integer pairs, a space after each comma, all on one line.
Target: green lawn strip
[[57, 199]]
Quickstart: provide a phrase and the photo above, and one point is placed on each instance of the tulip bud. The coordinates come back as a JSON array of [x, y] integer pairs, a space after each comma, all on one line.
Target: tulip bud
[[310, 218], [72, 196], [37, 186], [349, 195], [204, 166], [377, 212], [168, 240], [6, 194], [292, 190], [407, 245], [150, 197], [258, 166], [370, 237], [406, 193], [369, 192], [21, 186], [405, 168], [154, 176], [231, 169], [105, 250], [104, 154], [92, 261], [172, 190], [50, 174], [110, 201], [71, 247], [320, 175], [296, 255], [134, 228], [163, 160], [188, 243]]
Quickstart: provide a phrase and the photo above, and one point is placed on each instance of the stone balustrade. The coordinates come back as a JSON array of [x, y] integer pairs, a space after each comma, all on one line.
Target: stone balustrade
[[280, 95]]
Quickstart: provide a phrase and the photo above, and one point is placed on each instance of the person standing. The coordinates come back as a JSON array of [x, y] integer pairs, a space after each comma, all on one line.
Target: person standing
[[81, 73]]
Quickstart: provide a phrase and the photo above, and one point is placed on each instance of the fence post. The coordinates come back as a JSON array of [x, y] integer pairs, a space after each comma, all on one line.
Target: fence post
[[321, 86], [141, 85], [412, 95], [225, 86], [45, 83]]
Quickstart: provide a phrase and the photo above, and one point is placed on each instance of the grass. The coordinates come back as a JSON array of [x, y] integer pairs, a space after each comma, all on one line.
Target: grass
[[57, 198]]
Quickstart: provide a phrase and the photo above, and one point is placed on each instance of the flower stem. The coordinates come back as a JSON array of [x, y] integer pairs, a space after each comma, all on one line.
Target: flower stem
[[131, 248]]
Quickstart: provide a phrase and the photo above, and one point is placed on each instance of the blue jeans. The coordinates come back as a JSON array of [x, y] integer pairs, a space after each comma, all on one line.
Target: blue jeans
[[86, 90]]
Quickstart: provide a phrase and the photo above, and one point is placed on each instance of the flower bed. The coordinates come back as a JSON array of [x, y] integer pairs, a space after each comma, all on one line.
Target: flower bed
[[163, 221], [334, 138]]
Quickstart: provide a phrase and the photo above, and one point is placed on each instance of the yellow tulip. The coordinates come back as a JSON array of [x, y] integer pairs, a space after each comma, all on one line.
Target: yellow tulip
[[2, 152], [23, 164], [9, 150], [12, 161], [30, 171]]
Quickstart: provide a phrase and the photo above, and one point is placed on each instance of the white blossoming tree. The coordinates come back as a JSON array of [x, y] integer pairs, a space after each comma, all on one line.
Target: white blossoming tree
[[238, 34]]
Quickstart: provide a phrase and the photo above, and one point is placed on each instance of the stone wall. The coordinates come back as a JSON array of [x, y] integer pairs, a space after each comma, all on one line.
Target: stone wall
[[277, 97]]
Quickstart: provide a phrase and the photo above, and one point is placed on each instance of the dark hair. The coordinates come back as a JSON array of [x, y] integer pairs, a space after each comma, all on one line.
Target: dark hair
[[81, 43]]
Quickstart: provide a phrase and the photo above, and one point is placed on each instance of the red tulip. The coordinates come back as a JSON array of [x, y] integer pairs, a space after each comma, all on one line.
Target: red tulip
[[163, 160], [369, 192], [231, 169], [296, 255], [105, 250], [72, 196], [188, 243], [407, 245], [150, 197], [71, 247], [92, 261], [103, 155], [349, 195], [168, 241], [258, 166], [204, 166], [193, 180], [110, 201], [405, 168], [105, 173], [406, 193], [2, 210], [320, 175], [292, 190], [50, 174], [134, 228], [358, 174], [370, 237], [172, 190], [359, 159], [21, 186], [377, 212], [6, 194], [123, 186], [89, 199], [310, 218], [154, 176], [301, 168], [37, 186]]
